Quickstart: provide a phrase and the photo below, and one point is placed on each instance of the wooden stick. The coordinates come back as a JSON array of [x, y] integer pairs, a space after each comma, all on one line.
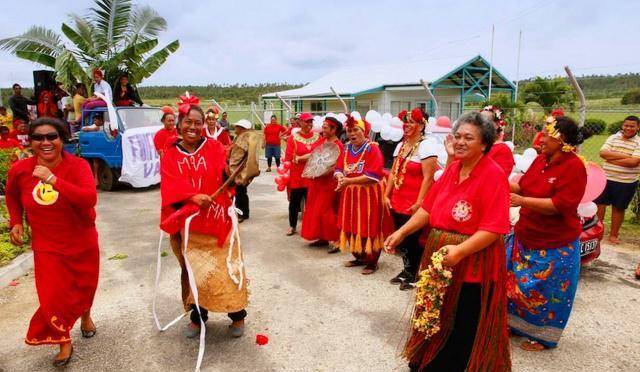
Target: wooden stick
[[425, 85], [344, 104], [583, 103], [231, 178], [285, 103]]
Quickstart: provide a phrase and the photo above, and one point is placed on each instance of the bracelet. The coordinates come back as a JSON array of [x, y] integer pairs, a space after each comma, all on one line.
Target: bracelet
[[51, 176]]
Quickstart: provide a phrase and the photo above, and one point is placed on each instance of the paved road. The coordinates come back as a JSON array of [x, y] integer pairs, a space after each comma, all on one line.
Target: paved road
[[318, 315]]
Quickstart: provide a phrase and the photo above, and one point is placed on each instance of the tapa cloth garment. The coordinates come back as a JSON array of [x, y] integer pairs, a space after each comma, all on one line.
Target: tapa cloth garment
[[541, 287], [245, 145], [214, 269]]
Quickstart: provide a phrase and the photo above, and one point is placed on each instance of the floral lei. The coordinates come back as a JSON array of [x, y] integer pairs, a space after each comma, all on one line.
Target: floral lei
[[398, 180], [430, 291]]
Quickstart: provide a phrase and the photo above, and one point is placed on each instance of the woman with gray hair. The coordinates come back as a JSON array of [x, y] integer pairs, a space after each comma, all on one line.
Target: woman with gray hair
[[466, 212]]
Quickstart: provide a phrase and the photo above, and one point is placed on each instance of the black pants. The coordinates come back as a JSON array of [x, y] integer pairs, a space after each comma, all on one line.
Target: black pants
[[410, 248], [295, 204], [242, 200], [237, 316], [456, 352], [269, 161]]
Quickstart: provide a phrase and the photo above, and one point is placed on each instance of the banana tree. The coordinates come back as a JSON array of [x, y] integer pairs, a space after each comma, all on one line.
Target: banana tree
[[115, 36]]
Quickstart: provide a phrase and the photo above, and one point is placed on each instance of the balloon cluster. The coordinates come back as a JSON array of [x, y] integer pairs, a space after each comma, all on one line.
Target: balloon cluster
[[523, 162], [390, 127], [284, 175]]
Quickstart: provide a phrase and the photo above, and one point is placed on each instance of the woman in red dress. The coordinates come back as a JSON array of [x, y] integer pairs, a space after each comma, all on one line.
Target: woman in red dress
[[319, 221], [500, 151], [57, 193], [411, 177], [362, 218], [466, 211], [299, 144], [168, 133], [191, 171], [214, 131]]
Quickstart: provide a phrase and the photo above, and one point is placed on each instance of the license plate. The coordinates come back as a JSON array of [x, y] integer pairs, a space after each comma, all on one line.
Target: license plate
[[588, 246]]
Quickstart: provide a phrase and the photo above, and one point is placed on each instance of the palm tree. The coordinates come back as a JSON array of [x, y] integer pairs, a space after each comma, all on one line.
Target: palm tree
[[115, 36], [548, 93]]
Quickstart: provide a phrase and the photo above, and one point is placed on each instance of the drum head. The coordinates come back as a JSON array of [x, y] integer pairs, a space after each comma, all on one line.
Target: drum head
[[322, 159]]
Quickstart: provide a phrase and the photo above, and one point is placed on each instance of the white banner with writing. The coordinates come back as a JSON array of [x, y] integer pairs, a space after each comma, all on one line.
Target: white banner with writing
[[140, 160]]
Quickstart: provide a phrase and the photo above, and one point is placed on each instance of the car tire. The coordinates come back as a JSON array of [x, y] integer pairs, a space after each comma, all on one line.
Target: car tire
[[107, 177]]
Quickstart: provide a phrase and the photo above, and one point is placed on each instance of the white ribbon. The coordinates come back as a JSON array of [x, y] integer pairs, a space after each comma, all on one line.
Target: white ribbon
[[235, 234], [192, 285]]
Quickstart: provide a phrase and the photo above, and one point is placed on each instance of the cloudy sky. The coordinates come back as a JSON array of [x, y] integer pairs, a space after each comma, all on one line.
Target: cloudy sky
[[297, 41]]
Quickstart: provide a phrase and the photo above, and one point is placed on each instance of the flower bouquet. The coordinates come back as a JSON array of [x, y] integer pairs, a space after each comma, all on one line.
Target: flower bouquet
[[430, 291]]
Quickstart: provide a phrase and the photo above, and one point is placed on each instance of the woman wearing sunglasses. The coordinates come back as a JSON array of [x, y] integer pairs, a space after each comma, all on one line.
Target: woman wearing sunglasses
[[56, 192]]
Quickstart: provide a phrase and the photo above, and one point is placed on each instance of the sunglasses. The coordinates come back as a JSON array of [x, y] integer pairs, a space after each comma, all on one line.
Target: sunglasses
[[41, 137]]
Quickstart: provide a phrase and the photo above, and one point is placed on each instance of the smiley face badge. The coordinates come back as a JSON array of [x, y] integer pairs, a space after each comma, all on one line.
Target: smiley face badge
[[44, 194]]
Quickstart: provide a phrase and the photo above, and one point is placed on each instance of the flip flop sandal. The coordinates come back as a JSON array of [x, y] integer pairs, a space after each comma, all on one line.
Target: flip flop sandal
[[368, 270], [353, 263], [530, 345], [291, 232]]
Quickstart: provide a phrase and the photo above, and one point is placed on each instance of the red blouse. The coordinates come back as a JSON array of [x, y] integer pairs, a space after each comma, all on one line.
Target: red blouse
[[272, 133], [223, 137], [480, 202], [502, 155], [184, 175], [61, 216], [300, 144], [404, 197], [564, 181], [163, 138], [364, 161]]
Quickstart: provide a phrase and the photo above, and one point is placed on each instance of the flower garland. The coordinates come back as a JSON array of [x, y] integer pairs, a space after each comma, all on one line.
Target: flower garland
[[430, 291], [398, 180]]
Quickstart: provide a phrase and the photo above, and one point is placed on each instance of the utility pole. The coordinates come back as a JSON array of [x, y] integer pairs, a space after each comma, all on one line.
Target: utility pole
[[518, 64]]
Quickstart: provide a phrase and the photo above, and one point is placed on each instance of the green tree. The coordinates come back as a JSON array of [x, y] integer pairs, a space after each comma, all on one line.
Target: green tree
[[548, 93], [631, 96], [115, 36]]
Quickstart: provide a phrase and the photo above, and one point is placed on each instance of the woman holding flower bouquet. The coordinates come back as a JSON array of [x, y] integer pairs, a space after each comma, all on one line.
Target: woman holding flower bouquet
[[467, 211]]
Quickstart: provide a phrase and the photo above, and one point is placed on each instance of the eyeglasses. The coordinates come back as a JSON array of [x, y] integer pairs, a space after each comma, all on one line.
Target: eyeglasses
[[41, 137]]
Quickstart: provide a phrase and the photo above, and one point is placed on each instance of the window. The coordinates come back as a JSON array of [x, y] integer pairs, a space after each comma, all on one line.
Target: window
[[317, 107]]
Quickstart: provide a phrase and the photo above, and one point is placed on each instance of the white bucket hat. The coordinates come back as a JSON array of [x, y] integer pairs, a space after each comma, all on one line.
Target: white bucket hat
[[244, 123]]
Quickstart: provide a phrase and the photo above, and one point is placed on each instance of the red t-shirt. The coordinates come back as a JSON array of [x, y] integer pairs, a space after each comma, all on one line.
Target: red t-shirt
[[564, 181], [481, 202], [364, 161], [61, 216], [301, 144], [222, 136], [8, 143], [502, 155], [163, 138], [536, 140], [22, 138], [272, 134], [184, 175], [404, 197]]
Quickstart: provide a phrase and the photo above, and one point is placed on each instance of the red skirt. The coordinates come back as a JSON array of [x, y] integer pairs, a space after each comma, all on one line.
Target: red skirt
[[319, 221], [363, 220], [66, 284]]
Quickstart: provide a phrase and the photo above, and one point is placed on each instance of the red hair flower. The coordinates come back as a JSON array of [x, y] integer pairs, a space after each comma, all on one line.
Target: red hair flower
[[186, 102]]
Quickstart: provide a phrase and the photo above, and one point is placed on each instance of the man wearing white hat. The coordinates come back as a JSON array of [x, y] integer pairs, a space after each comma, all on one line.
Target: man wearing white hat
[[244, 146]]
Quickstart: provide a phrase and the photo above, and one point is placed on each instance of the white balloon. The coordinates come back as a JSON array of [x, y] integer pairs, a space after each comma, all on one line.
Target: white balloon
[[437, 174], [396, 122], [432, 121], [356, 115], [317, 124], [331, 115], [376, 126], [341, 117], [372, 116], [530, 153], [396, 134], [386, 118], [385, 133], [510, 144], [442, 153], [587, 210]]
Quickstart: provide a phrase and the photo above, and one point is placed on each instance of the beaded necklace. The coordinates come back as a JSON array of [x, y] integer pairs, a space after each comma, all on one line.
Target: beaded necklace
[[398, 179]]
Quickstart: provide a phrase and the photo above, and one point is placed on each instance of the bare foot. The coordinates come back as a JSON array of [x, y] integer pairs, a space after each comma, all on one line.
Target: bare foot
[[532, 346], [613, 240], [65, 353]]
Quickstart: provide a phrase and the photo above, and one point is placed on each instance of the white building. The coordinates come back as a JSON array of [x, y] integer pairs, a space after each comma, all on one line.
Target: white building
[[395, 87]]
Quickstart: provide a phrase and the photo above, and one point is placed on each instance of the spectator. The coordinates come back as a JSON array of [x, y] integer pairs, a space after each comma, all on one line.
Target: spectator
[[98, 123], [78, 100], [273, 134], [621, 154], [21, 132], [224, 122], [169, 133], [125, 93], [47, 107], [18, 104], [6, 141], [241, 150], [6, 118], [99, 86]]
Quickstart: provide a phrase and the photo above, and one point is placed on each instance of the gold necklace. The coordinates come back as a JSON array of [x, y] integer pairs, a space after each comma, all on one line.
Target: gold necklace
[[398, 180]]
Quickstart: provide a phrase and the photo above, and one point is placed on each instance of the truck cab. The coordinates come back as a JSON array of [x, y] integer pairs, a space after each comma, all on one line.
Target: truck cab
[[102, 146]]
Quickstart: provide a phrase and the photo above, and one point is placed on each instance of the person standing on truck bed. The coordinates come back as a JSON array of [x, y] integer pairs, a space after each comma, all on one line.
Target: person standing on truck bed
[[124, 93]]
